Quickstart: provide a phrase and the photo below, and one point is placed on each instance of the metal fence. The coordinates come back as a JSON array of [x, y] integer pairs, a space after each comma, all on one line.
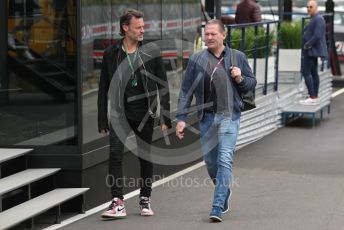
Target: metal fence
[[257, 41]]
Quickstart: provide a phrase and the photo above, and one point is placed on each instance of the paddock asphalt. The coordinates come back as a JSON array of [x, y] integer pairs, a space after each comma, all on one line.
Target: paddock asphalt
[[291, 179]]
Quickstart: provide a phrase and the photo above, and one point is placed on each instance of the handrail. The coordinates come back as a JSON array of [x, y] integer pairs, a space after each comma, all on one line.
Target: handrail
[[253, 24]]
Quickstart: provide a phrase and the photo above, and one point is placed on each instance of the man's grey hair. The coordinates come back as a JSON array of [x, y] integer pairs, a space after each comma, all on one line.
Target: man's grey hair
[[218, 23]]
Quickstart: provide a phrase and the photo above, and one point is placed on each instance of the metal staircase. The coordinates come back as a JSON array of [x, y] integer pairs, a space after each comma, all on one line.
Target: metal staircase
[[45, 75]]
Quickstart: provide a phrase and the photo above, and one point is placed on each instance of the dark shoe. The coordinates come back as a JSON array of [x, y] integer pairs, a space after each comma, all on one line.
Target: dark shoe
[[216, 214], [226, 205]]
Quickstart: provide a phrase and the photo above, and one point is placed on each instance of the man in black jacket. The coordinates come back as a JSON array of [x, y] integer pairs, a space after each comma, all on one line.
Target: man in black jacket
[[131, 75]]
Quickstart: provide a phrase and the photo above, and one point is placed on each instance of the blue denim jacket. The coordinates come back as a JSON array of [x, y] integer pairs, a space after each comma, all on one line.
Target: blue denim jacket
[[313, 37], [193, 83]]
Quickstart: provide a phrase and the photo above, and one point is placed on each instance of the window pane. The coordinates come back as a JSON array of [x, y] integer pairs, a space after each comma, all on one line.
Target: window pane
[[38, 99]]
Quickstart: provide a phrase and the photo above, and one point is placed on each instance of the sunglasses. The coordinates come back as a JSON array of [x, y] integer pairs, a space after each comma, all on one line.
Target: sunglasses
[[310, 7]]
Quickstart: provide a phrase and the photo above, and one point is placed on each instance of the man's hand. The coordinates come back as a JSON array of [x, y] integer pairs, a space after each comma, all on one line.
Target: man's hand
[[236, 74], [180, 129], [163, 127]]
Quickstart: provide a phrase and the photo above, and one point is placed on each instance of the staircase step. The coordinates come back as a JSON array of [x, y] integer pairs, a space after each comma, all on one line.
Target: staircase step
[[38, 205], [9, 154], [34, 72], [23, 178], [36, 61], [54, 74]]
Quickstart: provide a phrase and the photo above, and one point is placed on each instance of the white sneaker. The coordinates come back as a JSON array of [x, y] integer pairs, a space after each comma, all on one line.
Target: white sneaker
[[309, 101]]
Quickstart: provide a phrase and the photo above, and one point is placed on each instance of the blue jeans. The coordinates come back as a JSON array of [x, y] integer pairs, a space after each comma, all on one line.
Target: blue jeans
[[310, 73], [218, 138]]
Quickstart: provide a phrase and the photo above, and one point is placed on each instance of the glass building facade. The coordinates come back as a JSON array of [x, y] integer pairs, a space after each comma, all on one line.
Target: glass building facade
[[172, 22], [49, 77], [38, 97], [50, 57]]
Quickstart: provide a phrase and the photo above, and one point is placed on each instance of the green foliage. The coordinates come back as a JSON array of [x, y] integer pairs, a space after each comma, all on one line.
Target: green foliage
[[290, 35], [254, 40]]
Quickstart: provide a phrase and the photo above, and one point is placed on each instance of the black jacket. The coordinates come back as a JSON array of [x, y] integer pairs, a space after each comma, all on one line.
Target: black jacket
[[154, 79]]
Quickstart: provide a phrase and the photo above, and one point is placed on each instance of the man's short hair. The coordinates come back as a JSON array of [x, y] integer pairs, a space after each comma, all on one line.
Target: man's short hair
[[126, 17], [218, 23]]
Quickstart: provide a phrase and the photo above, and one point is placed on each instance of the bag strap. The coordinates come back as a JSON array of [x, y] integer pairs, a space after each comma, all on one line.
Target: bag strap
[[233, 57], [235, 63]]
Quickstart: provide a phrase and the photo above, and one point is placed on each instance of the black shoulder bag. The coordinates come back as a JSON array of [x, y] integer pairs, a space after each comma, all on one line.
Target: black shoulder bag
[[248, 96]]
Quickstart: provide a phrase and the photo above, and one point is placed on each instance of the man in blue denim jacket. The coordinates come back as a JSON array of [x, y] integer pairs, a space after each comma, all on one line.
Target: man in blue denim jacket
[[314, 46], [217, 86]]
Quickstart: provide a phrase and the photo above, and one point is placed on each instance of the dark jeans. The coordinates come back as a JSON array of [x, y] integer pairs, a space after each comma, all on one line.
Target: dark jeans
[[144, 140], [310, 73]]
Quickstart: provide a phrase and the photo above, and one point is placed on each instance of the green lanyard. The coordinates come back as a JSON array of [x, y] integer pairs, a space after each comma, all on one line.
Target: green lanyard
[[133, 80]]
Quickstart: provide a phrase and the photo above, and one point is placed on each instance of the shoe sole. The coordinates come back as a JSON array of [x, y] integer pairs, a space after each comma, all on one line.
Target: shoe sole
[[215, 219], [109, 217], [308, 103], [147, 214]]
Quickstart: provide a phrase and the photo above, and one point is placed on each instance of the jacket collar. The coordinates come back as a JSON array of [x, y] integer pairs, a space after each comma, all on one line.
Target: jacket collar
[[120, 44], [202, 59]]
